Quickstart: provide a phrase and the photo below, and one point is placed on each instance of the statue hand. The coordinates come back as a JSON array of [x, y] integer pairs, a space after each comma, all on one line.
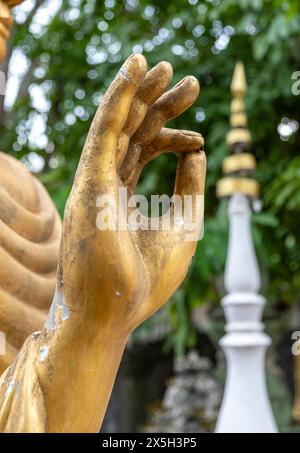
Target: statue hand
[[108, 281], [122, 276]]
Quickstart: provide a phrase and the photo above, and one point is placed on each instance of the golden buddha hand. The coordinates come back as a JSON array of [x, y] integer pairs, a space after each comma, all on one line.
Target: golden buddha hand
[[109, 280], [127, 275]]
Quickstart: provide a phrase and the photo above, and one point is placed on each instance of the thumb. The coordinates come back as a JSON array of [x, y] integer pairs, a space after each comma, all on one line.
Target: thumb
[[190, 186], [190, 174]]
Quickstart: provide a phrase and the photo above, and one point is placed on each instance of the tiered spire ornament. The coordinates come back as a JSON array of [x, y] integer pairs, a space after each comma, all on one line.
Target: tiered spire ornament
[[245, 406], [239, 166], [239, 132]]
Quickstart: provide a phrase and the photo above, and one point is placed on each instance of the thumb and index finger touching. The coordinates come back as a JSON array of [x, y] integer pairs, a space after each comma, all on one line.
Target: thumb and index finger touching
[[111, 117], [112, 113]]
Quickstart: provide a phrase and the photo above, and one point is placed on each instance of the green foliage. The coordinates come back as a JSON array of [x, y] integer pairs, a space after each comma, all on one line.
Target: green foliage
[[75, 57]]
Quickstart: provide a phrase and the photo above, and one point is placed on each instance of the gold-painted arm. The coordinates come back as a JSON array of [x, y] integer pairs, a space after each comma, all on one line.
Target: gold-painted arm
[[108, 281]]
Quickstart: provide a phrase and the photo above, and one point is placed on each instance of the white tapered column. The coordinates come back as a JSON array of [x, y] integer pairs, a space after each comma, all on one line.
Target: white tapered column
[[245, 407]]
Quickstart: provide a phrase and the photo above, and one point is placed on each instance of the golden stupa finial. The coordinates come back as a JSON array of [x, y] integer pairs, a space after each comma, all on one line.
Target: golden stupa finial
[[239, 82], [238, 118], [239, 166]]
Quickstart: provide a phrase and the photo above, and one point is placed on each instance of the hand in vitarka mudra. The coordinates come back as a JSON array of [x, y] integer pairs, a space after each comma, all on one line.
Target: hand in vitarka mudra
[[135, 272], [110, 280]]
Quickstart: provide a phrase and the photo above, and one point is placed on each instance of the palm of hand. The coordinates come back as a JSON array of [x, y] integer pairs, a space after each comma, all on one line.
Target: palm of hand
[[127, 275]]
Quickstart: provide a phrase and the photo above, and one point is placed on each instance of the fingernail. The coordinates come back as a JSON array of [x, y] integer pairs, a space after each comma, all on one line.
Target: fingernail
[[134, 68], [181, 82]]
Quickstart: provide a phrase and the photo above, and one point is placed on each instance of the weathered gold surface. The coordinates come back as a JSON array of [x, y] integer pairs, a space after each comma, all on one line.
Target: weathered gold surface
[[30, 231], [108, 281], [236, 162], [230, 185]]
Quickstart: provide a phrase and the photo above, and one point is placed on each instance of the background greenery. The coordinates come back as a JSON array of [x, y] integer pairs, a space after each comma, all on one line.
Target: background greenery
[[73, 58]]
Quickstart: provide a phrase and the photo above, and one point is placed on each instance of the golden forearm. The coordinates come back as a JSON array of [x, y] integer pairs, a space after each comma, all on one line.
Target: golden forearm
[[63, 377], [77, 364], [111, 280]]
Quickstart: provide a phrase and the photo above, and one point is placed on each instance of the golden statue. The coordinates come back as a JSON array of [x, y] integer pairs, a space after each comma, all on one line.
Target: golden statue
[[30, 231], [109, 281]]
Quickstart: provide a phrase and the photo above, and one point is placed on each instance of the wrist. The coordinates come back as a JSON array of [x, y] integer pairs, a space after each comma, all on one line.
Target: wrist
[[77, 368]]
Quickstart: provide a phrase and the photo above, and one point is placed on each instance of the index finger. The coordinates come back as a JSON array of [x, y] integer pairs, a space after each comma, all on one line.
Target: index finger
[[168, 106], [113, 111]]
